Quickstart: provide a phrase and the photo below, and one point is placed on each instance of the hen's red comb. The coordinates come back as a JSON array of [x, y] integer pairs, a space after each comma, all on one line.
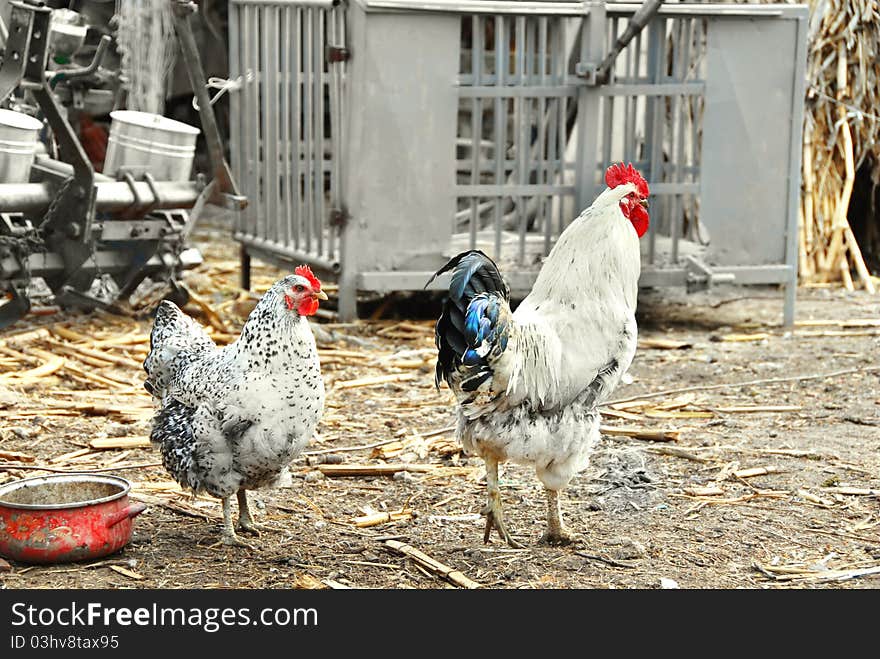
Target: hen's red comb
[[306, 271], [618, 174]]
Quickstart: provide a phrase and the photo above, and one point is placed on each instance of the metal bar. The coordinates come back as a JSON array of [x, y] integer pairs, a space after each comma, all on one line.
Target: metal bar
[[196, 74], [561, 114], [249, 100], [296, 113], [318, 81], [794, 167], [511, 189], [477, 30], [321, 4], [522, 280], [333, 68], [637, 23], [652, 89], [235, 99], [631, 103], [270, 127], [676, 142], [478, 7], [285, 43], [500, 124], [607, 136], [109, 195], [654, 118], [294, 255], [544, 91], [258, 195], [543, 173], [308, 105], [521, 140], [703, 10]]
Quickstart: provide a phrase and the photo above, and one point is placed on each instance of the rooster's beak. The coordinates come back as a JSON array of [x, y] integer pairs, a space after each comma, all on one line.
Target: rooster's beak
[[643, 203], [321, 295]]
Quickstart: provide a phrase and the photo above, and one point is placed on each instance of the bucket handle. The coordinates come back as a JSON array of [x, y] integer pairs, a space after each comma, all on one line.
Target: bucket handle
[[129, 512]]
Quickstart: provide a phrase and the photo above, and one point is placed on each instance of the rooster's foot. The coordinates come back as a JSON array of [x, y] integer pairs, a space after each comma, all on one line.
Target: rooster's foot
[[495, 519]]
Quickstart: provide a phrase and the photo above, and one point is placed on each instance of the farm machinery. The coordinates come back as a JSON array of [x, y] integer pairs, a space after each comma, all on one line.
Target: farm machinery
[[93, 238]]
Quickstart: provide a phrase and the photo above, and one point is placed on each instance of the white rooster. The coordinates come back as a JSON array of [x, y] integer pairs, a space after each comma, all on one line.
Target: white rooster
[[528, 382], [231, 419]]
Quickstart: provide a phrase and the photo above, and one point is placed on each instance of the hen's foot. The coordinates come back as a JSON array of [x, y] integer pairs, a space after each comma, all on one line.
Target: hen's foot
[[245, 521], [232, 540], [248, 525], [495, 519], [560, 537]]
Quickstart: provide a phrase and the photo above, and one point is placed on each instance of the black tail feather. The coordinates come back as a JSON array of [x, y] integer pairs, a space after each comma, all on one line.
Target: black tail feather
[[472, 273]]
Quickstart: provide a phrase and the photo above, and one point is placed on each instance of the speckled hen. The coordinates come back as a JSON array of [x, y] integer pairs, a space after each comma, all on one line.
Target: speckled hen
[[529, 382], [232, 418]]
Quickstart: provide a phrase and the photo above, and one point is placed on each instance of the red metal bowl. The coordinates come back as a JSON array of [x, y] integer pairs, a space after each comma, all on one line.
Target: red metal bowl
[[66, 517]]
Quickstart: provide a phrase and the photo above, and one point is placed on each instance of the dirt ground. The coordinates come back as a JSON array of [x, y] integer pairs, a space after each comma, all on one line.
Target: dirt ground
[[652, 513]]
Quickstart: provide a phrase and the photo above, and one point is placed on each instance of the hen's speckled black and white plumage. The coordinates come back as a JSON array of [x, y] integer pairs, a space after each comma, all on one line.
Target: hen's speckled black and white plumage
[[232, 418], [528, 382]]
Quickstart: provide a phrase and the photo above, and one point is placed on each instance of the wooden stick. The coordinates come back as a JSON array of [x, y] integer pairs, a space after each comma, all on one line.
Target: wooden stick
[[373, 470], [94, 354], [346, 449], [743, 338], [854, 491], [125, 572], [15, 455], [745, 409], [120, 443], [659, 435], [700, 491], [47, 368], [845, 274], [375, 519], [663, 344], [6, 465], [756, 471], [374, 380], [677, 452], [749, 383], [435, 566]]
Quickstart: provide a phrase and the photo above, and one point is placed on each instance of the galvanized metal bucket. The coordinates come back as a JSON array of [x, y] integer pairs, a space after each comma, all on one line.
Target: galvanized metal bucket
[[142, 142], [18, 141]]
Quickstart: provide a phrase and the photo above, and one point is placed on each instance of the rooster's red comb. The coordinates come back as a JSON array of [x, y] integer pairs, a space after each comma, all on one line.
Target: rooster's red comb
[[618, 174], [306, 271]]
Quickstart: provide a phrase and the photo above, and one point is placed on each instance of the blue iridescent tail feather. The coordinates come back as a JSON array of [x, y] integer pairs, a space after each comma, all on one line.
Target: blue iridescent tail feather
[[473, 327]]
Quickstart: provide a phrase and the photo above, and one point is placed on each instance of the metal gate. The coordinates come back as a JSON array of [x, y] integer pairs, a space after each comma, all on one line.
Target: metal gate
[[288, 59], [474, 123]]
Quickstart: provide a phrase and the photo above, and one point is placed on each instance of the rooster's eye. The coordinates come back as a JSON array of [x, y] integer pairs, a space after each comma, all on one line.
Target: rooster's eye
[[299, 288]]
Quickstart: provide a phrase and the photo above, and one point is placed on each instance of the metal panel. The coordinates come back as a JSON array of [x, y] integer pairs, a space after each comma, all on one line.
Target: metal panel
[[286, 125]]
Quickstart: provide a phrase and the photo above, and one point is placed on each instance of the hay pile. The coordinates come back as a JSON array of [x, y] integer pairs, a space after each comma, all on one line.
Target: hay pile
[[840, 134]]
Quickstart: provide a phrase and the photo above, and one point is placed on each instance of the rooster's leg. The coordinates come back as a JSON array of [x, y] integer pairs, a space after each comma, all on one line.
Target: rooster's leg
[[245, 521], [492, 511], [556, 533], [229, 538]]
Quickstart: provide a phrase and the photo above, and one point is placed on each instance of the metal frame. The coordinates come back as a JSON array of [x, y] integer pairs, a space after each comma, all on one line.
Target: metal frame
[[532, 126]]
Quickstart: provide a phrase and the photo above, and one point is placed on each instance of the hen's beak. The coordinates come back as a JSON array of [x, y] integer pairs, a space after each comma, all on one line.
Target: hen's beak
[[643, 203], [321, 295]]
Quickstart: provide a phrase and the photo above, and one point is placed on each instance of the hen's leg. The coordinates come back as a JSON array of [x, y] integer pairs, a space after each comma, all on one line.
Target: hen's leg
[[229, 538], [245, 521], [492, 511], [556, 533]]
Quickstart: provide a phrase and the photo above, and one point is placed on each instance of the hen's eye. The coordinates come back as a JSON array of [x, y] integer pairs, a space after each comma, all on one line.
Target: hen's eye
[[299, 288]]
